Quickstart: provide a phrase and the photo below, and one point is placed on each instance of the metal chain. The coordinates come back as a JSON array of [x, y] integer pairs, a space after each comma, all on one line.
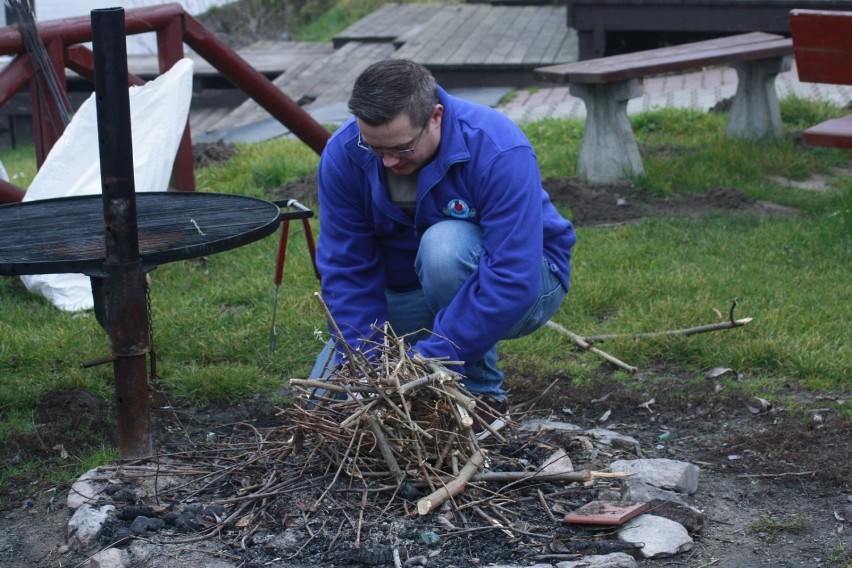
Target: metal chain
[[153, 353]]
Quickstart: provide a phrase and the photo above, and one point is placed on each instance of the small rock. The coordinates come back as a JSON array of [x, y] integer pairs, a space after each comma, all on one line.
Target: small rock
[[614, 439], [124, 495], [109, 558], [557, 462], [678, 476], [130, 512], [661, 537], [142, 525], [543, 424], [614, 560], [688, 516], [86, 524], [81, 493]]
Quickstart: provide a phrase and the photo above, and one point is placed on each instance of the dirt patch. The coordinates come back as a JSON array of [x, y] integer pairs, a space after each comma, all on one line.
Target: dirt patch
[[206, 154], [612, 204], [776, 490]]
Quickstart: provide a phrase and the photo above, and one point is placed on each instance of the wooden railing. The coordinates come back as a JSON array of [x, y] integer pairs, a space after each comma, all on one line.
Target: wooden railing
[[173, 27]]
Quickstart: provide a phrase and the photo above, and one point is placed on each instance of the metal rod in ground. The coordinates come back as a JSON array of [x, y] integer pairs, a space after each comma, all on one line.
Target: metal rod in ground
[[279, 274], [124, 280]]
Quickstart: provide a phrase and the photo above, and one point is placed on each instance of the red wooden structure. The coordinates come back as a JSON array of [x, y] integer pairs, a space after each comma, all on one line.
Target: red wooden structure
[[822, 42], [63, 41]]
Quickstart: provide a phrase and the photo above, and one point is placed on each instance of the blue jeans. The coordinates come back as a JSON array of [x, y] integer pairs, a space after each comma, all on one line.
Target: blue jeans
[[448, 255]]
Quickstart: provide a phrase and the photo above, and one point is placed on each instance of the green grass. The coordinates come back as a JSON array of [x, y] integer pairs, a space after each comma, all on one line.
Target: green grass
[[212, 317], [770, 527]]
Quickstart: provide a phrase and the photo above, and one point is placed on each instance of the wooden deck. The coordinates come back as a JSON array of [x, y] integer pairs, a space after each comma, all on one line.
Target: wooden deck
[[464, 45], [608, 27]]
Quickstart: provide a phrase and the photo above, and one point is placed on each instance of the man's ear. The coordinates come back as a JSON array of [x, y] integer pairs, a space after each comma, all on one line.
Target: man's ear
[[438, 113]]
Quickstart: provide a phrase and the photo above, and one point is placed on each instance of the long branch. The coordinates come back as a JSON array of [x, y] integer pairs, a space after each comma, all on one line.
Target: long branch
[[453, 487], [688, 331]]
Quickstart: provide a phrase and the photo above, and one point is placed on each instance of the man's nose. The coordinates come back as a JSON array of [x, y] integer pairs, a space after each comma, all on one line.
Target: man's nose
[[390, 161]]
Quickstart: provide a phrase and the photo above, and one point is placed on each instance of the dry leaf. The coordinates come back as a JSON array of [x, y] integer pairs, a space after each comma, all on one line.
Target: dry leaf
[[718, 372], [762, 407], [61, 449], [243, 521]]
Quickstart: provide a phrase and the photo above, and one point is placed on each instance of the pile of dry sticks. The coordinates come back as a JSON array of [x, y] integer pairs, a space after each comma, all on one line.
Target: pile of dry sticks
[[403, 418]]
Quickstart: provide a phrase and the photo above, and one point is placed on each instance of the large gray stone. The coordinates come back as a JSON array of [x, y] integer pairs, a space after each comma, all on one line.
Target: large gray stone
[[660, 472], [660, 536], [636, 490]]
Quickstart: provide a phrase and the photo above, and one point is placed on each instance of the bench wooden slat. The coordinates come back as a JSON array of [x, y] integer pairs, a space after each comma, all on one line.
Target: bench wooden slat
[[718, 51], [835, 133], [822, 42]]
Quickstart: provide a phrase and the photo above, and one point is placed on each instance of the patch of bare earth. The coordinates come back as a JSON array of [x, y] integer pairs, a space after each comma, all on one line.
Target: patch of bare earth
[[776, 490], [613, 204]]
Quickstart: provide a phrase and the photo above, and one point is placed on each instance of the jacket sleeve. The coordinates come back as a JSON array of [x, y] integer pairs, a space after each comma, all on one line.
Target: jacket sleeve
[[507, 194], [347, 256]]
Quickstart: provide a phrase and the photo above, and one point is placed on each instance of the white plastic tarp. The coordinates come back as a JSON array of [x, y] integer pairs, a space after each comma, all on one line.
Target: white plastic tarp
[[158, 113]]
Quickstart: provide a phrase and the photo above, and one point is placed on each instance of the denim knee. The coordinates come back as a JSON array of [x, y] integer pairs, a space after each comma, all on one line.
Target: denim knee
[[448, 255]]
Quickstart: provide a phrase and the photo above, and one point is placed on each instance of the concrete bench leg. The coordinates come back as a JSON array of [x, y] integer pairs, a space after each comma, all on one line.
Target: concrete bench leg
[[609, 152], [755, 114]]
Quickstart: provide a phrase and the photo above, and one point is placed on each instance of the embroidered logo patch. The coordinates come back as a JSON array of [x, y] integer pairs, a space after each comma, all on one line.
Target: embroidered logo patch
[[459, 209]]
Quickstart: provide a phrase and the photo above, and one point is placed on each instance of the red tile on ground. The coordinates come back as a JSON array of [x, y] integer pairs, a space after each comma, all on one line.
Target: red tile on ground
[[605, 513]]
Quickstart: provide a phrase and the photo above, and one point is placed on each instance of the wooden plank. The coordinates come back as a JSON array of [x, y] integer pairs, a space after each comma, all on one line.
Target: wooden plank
[[563, 48], [523, 34], [822, 41], [667, 60], [317, 81], [482, 39], [455, 47], [835, 133], [536, 37], [441, 26], [506, 43]]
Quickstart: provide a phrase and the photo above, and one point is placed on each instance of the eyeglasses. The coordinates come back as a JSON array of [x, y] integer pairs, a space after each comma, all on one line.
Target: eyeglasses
[[381, 153]]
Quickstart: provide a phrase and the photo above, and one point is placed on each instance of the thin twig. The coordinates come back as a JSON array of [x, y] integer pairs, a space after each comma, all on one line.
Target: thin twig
[[579, 340]]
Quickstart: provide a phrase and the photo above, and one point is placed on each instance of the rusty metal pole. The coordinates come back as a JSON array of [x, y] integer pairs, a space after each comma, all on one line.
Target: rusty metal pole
[[124, 283]]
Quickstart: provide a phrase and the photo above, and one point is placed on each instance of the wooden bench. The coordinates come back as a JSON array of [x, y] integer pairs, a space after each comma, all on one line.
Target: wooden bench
[[822, 43], [609, 152]]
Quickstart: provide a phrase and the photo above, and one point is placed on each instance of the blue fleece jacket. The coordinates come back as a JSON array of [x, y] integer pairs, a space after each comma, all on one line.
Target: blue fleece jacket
[[485, 172]]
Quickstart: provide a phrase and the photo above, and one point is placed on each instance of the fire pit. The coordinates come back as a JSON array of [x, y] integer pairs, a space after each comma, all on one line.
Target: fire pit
[[117, 237]]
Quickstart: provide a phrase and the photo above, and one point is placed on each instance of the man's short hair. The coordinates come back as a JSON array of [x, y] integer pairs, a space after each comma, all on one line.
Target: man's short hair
[[392, 86]]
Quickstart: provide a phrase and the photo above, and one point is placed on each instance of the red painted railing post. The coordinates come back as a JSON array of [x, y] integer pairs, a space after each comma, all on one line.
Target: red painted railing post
[[173, 27], [170, 51]]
